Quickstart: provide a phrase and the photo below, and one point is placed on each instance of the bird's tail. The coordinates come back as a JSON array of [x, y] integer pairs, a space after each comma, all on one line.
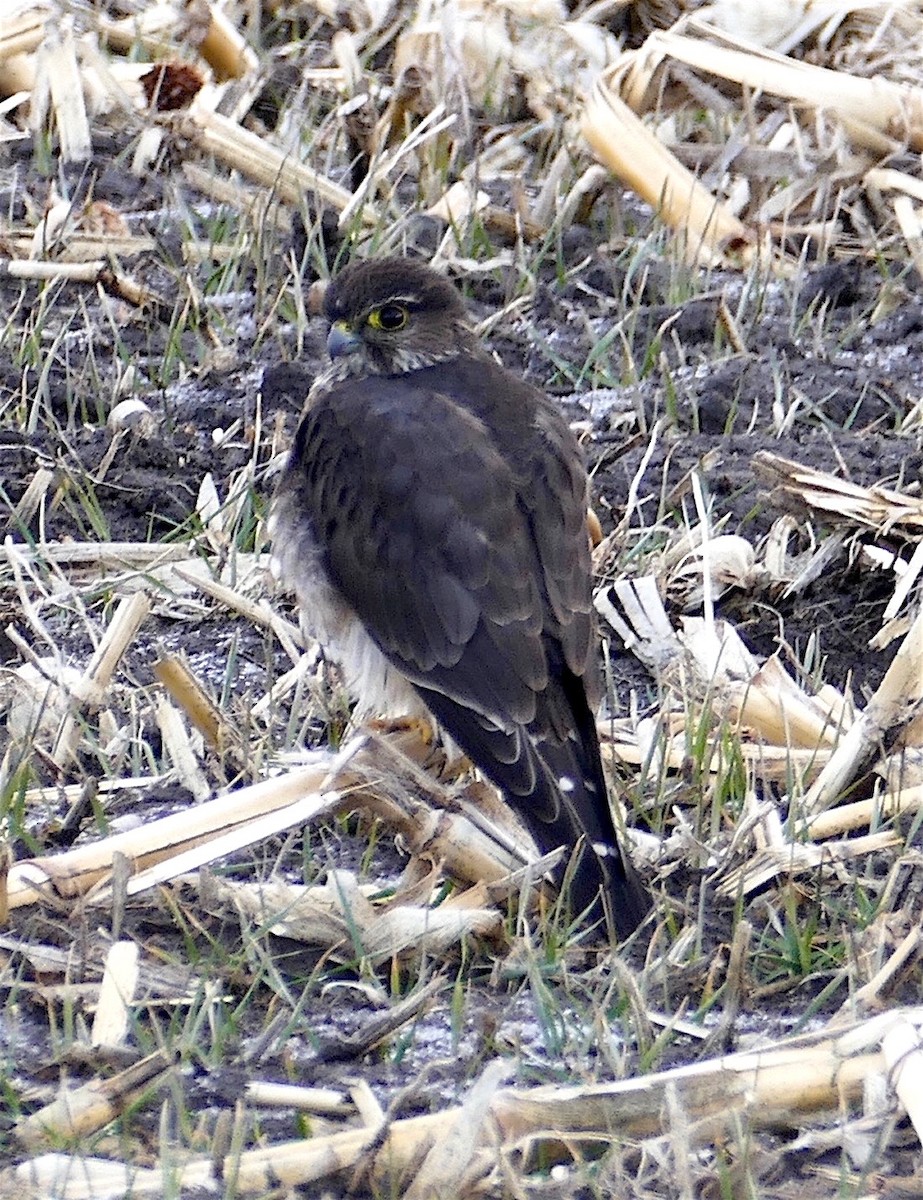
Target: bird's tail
[[603, 879], [556, 785]]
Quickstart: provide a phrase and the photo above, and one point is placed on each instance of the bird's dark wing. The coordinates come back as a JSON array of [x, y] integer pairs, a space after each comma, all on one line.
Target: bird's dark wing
[[423, 535], [450, 506]]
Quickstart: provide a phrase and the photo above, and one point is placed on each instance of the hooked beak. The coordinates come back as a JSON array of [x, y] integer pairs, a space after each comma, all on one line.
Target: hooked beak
[[342, 340]]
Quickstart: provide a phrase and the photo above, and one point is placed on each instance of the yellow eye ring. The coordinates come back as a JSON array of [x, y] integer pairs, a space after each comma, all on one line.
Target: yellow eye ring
[[390, 317]]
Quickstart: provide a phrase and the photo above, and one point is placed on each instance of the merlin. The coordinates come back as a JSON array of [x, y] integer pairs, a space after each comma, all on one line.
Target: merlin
[[431, 521]]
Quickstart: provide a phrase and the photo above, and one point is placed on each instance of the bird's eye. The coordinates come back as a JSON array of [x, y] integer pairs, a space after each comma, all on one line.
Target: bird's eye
[[389, 317]]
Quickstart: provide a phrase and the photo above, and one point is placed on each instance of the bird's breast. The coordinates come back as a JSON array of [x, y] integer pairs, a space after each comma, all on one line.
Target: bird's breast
[[297, 561]]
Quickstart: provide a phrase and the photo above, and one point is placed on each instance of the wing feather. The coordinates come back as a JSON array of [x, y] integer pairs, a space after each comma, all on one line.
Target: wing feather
[[428, 544]]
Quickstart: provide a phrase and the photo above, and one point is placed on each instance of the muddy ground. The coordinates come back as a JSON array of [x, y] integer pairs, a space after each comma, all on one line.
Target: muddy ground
[[820, 378]]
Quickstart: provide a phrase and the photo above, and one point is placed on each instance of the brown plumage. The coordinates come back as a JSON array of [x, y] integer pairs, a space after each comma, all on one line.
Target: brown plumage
[[432, 522]]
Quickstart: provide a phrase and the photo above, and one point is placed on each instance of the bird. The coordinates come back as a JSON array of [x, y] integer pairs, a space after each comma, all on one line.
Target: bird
[[431, 522]]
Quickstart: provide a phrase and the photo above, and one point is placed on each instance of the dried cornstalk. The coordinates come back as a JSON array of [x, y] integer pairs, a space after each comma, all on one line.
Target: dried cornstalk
[[765, 699], [33, 497], [790, 858], [798, 487], [708, 662], [876, 112], [369, 773], [224, 47], [874, 994], [175, 674], [23, 27], [95, 556], [887, 179], [72, 272], [155, 27], [773, 1087], [112, 1020], [90, 689], [259, 614], [327, 1102], [861, 813], [58, 64], [628, 148], [902, 1050], [776, 1086], [908, 220], [179, 748], [456, 1158], [79, 1112], [340, 915], [892, 703], [285, 1165], [96, 271], [74, 872], [769, 762], [266, 164], [92, 250]]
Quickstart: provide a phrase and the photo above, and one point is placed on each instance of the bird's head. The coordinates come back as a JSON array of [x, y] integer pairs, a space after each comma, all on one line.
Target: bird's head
[[393, 315]]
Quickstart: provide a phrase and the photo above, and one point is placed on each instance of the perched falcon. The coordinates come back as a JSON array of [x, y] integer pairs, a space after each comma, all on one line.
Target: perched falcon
[[431, 520]]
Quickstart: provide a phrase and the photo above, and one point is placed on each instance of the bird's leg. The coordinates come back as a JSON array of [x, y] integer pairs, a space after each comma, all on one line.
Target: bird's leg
[[415, 737]]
